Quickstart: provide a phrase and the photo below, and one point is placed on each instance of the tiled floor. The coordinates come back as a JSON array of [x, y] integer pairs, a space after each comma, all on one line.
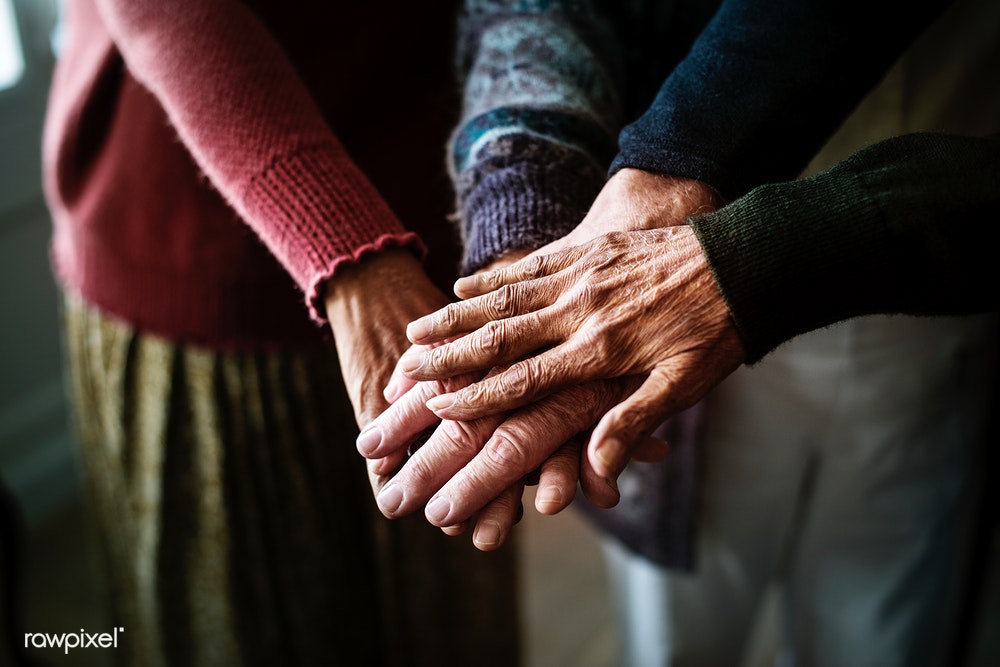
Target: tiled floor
[[567, 615]]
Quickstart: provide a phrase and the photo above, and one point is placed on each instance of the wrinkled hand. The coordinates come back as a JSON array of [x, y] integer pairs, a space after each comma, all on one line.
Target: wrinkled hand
[[476, 471], [633, 199], [478, 468], [368, 305], [487, 454], [498, 515], [628, 303]]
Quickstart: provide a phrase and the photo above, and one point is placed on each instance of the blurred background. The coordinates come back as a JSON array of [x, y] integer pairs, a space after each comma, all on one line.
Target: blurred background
[[50, 580]]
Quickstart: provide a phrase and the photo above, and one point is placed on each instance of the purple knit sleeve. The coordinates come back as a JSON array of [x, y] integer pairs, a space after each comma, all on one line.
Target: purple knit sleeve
[[540, 115]]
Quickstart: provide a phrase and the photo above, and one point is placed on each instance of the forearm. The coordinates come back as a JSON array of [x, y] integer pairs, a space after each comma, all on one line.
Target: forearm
[[901, 227], [251, 125], [764, 85]]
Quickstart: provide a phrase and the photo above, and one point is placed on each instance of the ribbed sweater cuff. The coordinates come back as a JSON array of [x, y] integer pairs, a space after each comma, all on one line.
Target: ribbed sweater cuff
[[315, 210], [796, 256], [524, 206]]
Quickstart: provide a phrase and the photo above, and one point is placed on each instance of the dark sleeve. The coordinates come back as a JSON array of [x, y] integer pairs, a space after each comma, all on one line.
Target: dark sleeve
[[904, 226], [765, 84]]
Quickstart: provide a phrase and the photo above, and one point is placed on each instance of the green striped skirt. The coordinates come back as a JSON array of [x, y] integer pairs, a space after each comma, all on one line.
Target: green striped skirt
[[236, 521]]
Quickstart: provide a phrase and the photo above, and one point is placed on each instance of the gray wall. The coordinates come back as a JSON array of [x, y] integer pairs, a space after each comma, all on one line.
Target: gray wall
[[36, 460]]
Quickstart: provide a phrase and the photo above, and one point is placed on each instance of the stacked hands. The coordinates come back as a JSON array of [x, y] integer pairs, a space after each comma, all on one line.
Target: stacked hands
[[606, 332]]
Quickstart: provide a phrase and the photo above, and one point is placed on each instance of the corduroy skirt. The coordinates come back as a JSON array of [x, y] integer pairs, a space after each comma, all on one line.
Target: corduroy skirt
[[236, 523]]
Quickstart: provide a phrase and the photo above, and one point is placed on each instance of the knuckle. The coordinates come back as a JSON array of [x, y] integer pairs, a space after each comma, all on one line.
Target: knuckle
[[631, 418], [490, 281], [463, 438], [583, 293], [507, 451], [504, 507], [419, 472], [483, 393], [447, 318], [592, 347], [437, 358], [607, 252], [533, 267], [604, 349], [491, 338], [501, 303], [517, 381], [577, 406]]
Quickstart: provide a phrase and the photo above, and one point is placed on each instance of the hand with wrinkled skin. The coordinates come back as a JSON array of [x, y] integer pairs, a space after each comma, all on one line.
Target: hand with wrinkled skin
[[526, 442], [482, 450], [478, 468], [632, 199], [628, 303], [495, 508], [447, 452], [503, 510], [368, 305], [408, 431]]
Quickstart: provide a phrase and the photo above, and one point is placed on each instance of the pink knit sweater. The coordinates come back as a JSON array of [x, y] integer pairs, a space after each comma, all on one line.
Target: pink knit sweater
[[175, 128]]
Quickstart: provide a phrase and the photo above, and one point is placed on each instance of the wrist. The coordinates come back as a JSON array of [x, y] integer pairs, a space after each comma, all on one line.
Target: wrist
[[383, 274], [658, 200]]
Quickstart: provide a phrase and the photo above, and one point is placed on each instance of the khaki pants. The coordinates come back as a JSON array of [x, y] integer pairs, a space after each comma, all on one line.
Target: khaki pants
[[845, 468]]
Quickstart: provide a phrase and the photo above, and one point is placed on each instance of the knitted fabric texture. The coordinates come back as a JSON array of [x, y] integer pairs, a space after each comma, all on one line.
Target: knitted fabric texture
[[196, 182]]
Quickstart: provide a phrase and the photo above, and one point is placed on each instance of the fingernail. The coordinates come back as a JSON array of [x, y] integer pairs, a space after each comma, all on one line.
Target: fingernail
[[411, 361], [606, 451], [390, 498], [391, 390], [548, 497], [369, 440], [440, 402], [487, 534], [438, 509], [465, 284], [417, 330]]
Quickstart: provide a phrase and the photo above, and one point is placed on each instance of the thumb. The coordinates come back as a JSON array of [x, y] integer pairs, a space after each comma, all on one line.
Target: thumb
[[623, 433]]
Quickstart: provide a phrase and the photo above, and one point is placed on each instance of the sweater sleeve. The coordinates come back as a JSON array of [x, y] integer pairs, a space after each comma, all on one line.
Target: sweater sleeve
[[904, 226], [247, 119], [765, 84], [539, 118]]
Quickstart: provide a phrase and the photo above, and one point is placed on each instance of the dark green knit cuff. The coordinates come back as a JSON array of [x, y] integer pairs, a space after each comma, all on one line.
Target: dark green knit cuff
[[796, 256]]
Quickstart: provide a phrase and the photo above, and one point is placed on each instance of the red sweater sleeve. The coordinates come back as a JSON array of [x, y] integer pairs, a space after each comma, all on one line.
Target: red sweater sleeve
[[251, 125]]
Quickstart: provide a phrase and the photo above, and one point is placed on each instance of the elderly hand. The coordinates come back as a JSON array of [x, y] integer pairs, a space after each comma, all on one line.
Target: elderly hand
[[489, 458], [478, 468], [628, 303], [368, 305], [500, 513], [633, 199]]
